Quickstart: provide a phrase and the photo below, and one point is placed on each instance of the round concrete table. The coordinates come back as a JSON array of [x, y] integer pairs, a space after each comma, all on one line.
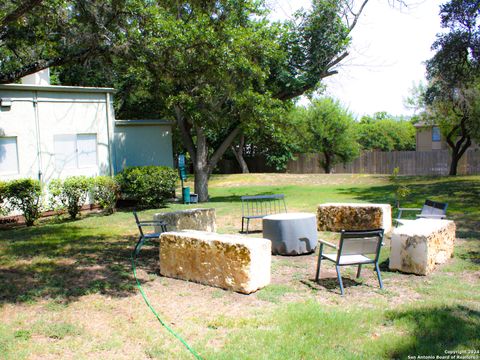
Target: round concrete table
[[291, 233]]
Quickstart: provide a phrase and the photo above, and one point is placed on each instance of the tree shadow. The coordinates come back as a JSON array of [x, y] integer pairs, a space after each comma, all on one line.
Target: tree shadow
[[462, 196], [237, 198], [437, 330], [63, 262]]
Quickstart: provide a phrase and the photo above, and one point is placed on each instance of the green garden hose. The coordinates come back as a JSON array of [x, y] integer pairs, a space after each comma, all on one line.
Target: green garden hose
[[135, 252]]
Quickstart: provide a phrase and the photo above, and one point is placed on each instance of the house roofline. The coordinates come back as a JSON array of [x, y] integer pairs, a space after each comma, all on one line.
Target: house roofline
[[142, 122], [56, 88]]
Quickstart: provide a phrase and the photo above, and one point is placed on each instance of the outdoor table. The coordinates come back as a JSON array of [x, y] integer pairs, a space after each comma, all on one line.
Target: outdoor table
[[291, 233]]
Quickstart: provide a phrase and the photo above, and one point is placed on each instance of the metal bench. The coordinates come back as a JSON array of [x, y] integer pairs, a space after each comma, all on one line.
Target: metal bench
[[259, 206]]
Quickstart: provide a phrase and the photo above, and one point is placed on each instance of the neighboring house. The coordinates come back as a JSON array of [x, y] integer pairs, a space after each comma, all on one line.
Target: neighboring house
[[430, 138], [49, 132]]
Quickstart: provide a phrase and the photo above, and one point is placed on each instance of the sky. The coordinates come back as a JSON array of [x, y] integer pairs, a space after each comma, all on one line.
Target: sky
[[389, 48]]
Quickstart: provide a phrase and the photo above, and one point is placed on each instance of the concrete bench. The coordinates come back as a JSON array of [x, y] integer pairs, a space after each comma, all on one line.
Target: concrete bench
[[345, 216], [190, 219], [231, 262], [419, 245]]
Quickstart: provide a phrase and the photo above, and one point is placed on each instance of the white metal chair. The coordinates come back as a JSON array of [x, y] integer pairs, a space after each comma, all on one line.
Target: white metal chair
[[355, 248]]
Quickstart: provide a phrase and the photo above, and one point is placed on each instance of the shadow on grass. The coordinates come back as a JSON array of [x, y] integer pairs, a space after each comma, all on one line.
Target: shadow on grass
[[237, 198], [66, 261], [462, 196], [436, 330], [331, 284]]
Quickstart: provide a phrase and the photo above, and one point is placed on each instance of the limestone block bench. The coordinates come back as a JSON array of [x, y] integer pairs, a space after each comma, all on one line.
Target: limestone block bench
[[419, 245], [190, 219], [231, 262], [350, 216]]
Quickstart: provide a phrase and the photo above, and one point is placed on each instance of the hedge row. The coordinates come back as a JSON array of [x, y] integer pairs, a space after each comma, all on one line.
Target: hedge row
[[149, 186]]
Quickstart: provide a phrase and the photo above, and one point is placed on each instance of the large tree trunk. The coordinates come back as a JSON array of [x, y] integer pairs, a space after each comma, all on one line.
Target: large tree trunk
[[459, 147], [202, 164], [238, 152], [327, 163]]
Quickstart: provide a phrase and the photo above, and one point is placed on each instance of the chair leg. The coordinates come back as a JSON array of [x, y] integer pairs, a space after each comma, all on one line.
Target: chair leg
[[378, 275], [248, 222], [359, 270], [139, 244], [339, 279], [243, 220], [319, 261]]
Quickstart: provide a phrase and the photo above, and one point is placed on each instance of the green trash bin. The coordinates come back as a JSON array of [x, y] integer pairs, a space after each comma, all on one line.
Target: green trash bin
[[186, 194]]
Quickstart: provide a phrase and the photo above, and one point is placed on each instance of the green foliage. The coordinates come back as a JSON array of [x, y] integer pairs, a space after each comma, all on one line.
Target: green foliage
[[25, 195], [105, 191], [453, 95], [70, 194], [328, 128], [39, 34], [383, 132], [150, 186], [3, 198]]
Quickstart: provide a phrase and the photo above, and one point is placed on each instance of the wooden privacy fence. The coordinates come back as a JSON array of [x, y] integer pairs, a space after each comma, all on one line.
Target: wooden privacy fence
[[435, 162]]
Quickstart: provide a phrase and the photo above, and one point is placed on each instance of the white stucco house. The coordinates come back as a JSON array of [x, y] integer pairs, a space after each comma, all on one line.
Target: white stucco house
[[49, 131]]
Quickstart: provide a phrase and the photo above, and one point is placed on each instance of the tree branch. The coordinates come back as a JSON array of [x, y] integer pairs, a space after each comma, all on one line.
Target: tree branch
[[223, 147], [45, 63], [186, 136], [18, 12]]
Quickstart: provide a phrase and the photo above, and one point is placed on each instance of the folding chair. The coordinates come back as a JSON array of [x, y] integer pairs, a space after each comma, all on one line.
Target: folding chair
[[353, 249]]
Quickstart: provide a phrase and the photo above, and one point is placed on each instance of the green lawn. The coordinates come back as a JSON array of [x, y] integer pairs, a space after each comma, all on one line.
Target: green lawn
[[67, 291]]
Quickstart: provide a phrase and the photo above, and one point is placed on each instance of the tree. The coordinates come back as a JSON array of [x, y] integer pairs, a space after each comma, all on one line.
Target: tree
[[385, 133], [214, 66], [453, 94], [329, 129], [36, 34]]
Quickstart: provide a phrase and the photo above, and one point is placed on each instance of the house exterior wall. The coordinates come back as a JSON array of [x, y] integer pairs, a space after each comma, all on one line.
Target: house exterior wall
[[142, 143], [425, 140], [39, 113]]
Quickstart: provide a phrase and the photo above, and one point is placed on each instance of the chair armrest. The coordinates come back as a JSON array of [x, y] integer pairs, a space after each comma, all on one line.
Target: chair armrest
[[327, 243]]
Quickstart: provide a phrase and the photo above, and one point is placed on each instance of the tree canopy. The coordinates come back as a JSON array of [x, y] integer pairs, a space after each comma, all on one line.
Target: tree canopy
[[453, 95], [328, 128], [385, 133]]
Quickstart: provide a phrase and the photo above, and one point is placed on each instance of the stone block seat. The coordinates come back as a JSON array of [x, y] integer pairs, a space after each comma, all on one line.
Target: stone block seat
[[191, 219], [231, 262], [419, 245], [352, 216]]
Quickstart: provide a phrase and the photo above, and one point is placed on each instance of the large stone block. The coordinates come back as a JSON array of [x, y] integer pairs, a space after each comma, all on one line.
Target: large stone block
[[419, 245], [341, 216], [190, 219], [231, 262]]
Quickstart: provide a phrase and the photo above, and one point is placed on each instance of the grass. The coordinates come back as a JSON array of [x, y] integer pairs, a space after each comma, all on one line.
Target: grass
[[66, 288]]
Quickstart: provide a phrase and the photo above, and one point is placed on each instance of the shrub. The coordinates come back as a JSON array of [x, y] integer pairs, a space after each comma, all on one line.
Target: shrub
[[69, 194], [105, 192], [3, 198], [150, 186], [25, 195]]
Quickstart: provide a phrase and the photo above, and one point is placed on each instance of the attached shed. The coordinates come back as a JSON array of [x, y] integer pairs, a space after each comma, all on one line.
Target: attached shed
[[142, 142]]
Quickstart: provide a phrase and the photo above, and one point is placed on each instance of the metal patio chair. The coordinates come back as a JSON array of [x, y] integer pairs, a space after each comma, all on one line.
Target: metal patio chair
[[430, 210], [150, 235], [355, 248]]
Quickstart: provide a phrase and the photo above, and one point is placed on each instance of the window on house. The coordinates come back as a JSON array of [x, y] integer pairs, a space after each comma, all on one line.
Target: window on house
[[436, 133], [8, 155], [75, 151]]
